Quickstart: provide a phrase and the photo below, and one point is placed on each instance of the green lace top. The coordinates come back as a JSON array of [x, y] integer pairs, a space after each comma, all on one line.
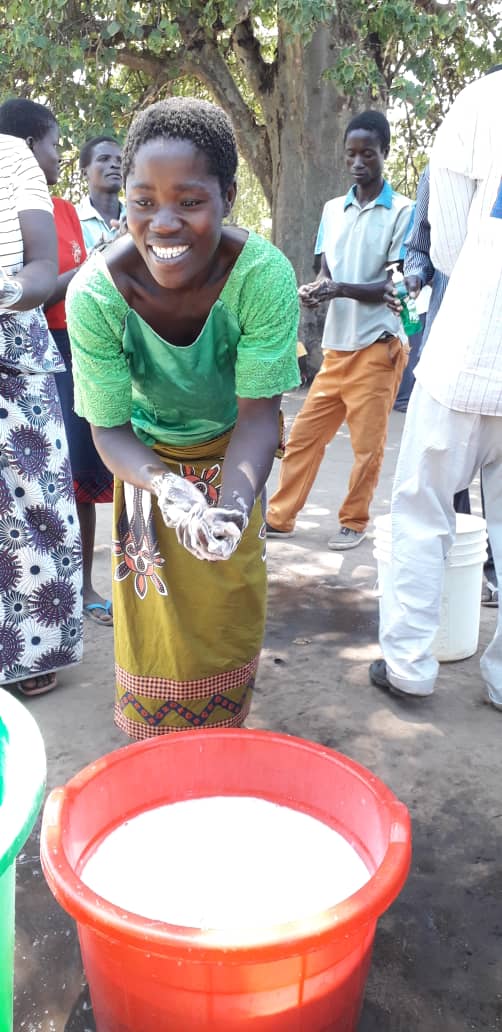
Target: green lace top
[[123, 370]]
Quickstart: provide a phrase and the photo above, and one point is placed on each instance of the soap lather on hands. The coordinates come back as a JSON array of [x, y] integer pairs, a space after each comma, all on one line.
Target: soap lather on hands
[[207, 532]]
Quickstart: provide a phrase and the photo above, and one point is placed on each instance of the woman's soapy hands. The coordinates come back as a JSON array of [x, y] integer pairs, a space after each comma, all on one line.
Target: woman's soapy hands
[[177, 498], [213, 533], [207, 532]]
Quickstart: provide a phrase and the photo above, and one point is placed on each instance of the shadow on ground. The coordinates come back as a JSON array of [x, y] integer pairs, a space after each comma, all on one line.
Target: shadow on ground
[[437, 961]]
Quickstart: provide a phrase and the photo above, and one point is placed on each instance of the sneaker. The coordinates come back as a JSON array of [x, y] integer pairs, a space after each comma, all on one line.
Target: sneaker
[[345, 537], [490, 595], [275, 532]]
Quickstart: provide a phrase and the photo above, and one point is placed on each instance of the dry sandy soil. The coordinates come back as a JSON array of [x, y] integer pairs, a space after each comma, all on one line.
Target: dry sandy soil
[[438, 953]]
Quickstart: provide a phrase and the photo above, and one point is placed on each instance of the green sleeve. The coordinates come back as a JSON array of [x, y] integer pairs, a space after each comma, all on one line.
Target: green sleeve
[[96, 314], [268, 313]]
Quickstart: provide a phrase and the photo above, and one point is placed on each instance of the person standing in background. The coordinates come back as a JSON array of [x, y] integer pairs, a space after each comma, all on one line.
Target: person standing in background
[[419, 271], [453, 426], [364, 356], [92, 481], [40, 553], [101, 210]]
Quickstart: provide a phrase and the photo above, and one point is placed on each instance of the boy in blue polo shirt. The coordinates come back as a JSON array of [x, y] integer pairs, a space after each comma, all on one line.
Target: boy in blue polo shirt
[[365, 348]]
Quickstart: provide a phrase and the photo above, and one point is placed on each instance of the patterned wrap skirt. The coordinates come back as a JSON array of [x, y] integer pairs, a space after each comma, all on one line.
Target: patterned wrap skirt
[[40, 548], [188, 633]]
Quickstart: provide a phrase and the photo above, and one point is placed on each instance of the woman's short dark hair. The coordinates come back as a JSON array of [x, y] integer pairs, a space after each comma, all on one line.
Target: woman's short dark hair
[[24, 118], [186, 118], [86, 152], [371, 122]]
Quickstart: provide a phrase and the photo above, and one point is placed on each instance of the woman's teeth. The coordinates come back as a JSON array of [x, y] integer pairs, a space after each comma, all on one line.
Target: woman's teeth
[[169, 252]]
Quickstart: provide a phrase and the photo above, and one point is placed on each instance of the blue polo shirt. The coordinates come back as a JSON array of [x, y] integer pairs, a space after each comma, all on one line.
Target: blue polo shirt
[[358, 244], [96, 231]]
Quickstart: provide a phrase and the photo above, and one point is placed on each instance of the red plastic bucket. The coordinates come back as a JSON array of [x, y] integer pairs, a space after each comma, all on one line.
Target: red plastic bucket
[[147, 976]]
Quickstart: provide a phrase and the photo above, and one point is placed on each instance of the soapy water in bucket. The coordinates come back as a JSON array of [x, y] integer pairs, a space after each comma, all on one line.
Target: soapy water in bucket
[[172, 864]]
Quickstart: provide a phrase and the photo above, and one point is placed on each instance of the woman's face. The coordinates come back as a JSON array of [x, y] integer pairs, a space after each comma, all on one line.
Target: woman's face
[[174, 212], [46, 151]]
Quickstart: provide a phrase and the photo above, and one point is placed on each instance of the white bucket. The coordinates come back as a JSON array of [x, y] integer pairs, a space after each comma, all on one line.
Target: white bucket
[[458, 632]]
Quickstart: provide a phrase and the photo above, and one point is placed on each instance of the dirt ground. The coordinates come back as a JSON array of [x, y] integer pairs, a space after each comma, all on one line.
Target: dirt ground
[[437, 963]]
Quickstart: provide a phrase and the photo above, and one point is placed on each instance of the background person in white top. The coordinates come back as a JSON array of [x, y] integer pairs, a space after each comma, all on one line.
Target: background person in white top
[[100, 212], [454, 422]]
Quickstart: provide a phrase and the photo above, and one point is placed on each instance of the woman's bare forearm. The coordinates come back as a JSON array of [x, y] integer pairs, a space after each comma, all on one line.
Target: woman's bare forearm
[[126, 456], [251, 451]]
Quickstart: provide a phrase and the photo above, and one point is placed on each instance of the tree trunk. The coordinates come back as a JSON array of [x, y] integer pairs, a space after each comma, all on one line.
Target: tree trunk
[[306, 122]]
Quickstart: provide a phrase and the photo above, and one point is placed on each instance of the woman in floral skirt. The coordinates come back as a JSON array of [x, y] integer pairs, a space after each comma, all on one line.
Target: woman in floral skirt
[[40, 552]]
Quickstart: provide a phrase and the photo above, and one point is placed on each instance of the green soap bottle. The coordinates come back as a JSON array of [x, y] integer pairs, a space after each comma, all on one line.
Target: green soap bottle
[[409, 314]]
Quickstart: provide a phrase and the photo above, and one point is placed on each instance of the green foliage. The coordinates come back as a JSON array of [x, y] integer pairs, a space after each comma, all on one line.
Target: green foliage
[[413, 58], [251, 209], [97, 61]]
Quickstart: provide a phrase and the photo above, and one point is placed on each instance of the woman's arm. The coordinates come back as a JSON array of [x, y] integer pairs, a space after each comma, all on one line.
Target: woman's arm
[[251, 451], [62, 283], [39, 272], [126, 456], [247, 464]]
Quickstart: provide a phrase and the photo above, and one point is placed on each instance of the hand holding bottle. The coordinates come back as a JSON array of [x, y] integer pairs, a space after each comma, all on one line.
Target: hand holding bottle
[[401, 299]]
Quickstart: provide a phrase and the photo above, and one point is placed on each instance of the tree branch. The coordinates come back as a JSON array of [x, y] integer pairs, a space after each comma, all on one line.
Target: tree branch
[[259, 73], [201, 58], [252, 137]]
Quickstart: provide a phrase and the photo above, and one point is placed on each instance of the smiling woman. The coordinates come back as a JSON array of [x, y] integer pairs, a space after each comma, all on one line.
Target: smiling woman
[[184, 337]]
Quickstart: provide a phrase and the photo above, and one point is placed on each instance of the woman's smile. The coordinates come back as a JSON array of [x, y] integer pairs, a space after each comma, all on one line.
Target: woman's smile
[[163, 253]]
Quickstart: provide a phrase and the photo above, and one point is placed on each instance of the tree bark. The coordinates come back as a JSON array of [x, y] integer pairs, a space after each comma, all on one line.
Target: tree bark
[[306, 120]]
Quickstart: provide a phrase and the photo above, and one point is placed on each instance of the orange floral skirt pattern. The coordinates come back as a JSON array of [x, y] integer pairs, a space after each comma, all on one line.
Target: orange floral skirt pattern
[[188, 633]]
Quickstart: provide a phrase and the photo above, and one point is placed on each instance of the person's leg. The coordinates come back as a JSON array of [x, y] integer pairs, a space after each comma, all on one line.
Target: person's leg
[[369, 395], [100, 611], [489, 567], [462, 502], [314, 427], [439, 455], [491, 661]]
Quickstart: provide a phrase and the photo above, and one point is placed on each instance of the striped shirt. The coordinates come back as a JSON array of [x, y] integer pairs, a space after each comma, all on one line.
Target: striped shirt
[[22, 188], [461, 365], [417, 260]]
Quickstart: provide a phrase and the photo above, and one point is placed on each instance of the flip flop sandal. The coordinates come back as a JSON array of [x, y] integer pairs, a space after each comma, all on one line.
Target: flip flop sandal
[[42, 683], [90, 611]]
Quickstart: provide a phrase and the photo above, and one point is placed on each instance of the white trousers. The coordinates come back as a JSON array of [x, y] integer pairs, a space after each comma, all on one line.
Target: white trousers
[[441, 451]]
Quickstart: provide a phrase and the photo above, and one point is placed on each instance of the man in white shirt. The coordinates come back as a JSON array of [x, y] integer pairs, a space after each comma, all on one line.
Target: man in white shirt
[[454, 422], [101, 210]]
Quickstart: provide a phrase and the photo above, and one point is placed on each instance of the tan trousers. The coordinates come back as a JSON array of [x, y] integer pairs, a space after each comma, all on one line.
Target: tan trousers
[[359, 387]]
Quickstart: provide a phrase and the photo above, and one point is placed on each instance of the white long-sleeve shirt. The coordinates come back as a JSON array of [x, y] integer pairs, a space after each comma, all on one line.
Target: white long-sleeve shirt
[[461, 366]]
